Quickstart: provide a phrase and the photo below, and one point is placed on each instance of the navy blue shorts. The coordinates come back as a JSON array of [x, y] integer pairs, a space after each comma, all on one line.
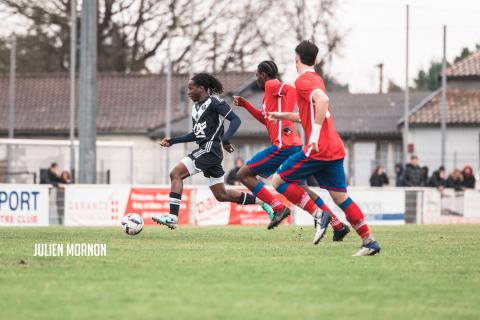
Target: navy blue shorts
[[267, 161], [330, 175]]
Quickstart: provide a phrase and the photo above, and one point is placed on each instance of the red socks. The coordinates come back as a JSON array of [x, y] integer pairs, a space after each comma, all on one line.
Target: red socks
[[263, 194], [299, 197], [355, 217], [335, 223]]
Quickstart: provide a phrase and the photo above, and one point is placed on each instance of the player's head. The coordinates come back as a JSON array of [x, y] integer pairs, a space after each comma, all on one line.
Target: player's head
[[306, 54], [266, 70], [202, 85]]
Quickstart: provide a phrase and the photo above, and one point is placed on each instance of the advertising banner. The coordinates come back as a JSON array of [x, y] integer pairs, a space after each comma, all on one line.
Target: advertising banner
[[380, 206], [254, 214], [208, 211], [94, 205], [24, 205]]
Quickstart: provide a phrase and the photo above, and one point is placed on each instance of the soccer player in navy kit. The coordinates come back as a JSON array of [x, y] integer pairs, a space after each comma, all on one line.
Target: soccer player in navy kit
[[208, 115]]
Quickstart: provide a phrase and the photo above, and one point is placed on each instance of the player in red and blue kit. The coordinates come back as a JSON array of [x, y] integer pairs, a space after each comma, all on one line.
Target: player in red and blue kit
[[278, 97], [323, 153]]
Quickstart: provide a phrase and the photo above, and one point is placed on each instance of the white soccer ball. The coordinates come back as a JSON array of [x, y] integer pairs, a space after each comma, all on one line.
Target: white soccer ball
[[132, 224]]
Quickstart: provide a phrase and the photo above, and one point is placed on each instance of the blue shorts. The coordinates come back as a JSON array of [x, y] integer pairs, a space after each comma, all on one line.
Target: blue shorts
[[330, 175], [267, 161]]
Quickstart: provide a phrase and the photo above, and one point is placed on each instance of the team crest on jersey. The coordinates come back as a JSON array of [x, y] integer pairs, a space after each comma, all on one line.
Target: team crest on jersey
[[199, 129], [198, 110]]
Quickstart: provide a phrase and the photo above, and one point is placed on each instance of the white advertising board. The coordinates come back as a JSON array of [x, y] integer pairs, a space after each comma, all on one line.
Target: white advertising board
[[24, 205]]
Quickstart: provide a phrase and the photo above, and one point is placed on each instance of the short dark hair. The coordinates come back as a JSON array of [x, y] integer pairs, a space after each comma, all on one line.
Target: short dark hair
[[307, 51], [413, 157], [54, 164]]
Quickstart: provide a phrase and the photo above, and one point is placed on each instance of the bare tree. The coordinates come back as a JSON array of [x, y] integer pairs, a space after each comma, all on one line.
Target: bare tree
[[133, 34]]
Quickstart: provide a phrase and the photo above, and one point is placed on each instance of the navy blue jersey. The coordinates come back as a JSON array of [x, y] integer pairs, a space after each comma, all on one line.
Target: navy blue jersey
[[207, 118]]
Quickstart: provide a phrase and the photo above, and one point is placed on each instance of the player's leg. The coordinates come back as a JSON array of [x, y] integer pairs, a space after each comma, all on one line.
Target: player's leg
[[248, 178], [177, 175], [340, 230], [334, 181], [264, 163], [298, 196], [224, 195], [215, 175], [286, 181], [356, 219]]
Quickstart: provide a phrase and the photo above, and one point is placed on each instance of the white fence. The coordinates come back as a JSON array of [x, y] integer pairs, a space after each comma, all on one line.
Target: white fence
[[22, 159]]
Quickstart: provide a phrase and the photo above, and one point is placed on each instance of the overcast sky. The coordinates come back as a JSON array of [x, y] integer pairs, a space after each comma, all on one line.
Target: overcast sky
[[377, 34]]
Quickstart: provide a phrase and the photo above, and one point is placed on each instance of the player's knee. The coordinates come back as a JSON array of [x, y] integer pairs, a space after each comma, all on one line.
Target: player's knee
[[221, 197], [242, 173], [174, 175], [338, 197]]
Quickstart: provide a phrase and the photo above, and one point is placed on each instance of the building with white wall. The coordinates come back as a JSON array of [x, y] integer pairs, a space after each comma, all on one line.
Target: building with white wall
[[462, 141]]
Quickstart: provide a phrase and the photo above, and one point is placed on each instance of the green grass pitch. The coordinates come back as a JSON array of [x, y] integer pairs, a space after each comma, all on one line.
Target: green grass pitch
[[423, 272]]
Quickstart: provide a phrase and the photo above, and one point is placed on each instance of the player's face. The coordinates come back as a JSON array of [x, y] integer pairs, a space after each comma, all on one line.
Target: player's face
[[260, 79], [297, 62], [194, 92]]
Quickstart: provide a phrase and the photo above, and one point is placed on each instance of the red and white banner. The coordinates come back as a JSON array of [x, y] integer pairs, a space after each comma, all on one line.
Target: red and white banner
[[208, 211], [148, 202], [95, 205], [24, 205], [254, 214]]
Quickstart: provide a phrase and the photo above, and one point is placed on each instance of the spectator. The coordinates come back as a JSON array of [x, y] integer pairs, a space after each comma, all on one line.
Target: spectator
[[413, 176], [52, 175], [455, 180], [232, 174], [425, 175], [378, 177], [399, 175], [468, 177], [437, 180], [65, 177]]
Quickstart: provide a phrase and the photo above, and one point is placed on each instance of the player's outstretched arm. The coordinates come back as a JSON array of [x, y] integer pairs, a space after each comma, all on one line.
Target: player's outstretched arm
[[232, 128], [290, 116], [242, 102], [167, 142]]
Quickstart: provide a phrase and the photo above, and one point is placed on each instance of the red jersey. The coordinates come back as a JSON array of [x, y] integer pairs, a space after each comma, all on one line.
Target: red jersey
[[278, 97], [330, 145]]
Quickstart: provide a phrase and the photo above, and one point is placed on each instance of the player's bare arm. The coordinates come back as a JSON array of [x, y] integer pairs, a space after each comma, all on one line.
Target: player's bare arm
[[321, 101], [290, 116]]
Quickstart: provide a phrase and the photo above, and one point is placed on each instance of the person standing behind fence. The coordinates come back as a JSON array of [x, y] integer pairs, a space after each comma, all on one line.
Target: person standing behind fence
[[52, 175], [399, 175], [66, 177], [414, 174], [425, 175], [468, 177], [455, 180], [378, 177], [437, 180]]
